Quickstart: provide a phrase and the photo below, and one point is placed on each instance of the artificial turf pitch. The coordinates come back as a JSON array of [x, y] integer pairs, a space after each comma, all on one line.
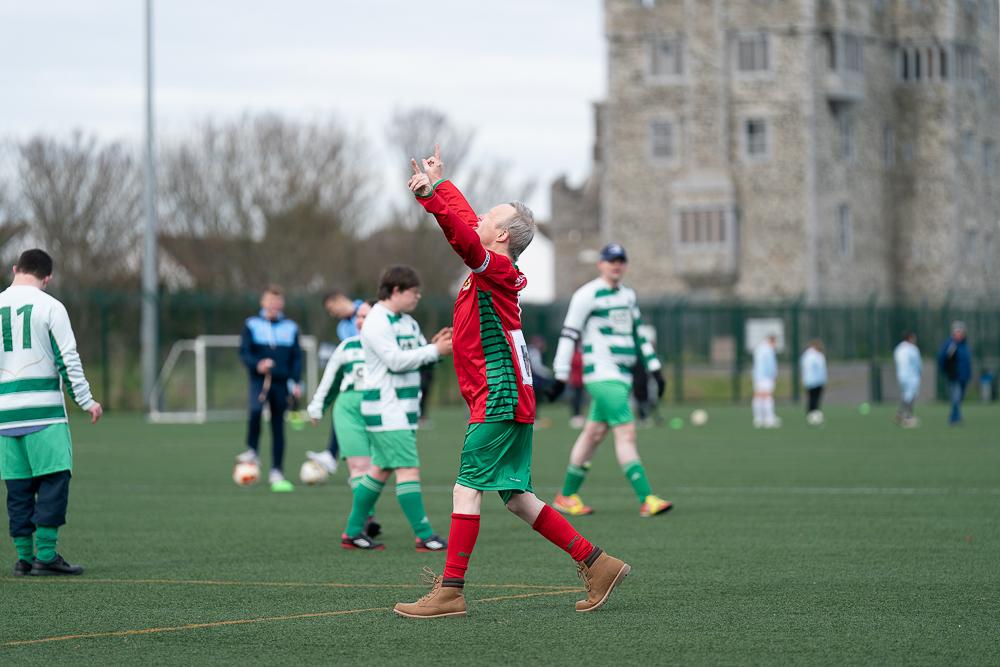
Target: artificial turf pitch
[[852, 543]]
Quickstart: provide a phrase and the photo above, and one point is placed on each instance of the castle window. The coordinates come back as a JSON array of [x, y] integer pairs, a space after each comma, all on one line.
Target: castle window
[[943, 63], [845, 231], [752, 53], [969, 145], [702, 225], [756, 143], [904, 64], [989, 159], [662, 140], [854, 56], [845, 134], [966, 63], [916, 64], [666, 58]]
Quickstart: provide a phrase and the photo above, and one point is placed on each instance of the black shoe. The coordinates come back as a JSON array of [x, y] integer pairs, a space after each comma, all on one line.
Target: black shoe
[[362, 542], [432, 543], [55, 567], [372, 527], [22, 568]]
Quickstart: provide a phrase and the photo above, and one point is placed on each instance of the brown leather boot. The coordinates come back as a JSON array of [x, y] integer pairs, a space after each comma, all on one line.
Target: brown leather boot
[[444, 599], [601, 576]]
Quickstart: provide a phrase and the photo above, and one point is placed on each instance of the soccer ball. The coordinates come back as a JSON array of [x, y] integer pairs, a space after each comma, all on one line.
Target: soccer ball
[[814, 418], [246, 473], [699, 417], [312, 473]]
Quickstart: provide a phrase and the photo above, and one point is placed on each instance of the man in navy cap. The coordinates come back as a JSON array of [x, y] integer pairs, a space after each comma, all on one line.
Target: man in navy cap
[[604, 316]]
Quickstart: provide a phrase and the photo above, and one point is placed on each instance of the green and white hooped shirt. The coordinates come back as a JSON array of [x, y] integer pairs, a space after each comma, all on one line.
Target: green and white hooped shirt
[[38, 360], [343, 373], [394, 352], [607, 321]]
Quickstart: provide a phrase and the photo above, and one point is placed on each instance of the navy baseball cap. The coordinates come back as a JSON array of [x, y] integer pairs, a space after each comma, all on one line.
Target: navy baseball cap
[[613, 252]]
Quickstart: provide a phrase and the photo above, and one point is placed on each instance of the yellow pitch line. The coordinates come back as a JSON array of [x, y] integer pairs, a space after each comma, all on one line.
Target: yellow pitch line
[[282, 584], [245, 621]]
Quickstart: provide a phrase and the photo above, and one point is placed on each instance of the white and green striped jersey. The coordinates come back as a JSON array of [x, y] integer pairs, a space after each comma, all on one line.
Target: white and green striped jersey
[[343, 372], [38, 359], [606, 319], [394, 352]]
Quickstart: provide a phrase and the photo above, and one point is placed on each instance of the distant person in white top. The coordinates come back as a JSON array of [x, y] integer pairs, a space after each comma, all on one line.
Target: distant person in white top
[[38, 361], [908, 368], [765, 377], [812, 365]]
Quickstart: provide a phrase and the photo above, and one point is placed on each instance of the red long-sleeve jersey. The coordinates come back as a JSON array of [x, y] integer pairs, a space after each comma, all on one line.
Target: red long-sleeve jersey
[[491, 357]]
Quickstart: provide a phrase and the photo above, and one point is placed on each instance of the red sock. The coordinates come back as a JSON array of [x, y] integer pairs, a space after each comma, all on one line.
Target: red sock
[[461, 542], [561, 533]]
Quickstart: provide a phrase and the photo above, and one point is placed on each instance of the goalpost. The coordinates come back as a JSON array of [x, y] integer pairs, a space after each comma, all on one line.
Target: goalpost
[[204, 380]]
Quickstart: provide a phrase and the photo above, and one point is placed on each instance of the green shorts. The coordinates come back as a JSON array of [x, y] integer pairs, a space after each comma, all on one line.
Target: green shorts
[[349, 425], [609, 402], [40, 453], [496, 456], [394, 449]]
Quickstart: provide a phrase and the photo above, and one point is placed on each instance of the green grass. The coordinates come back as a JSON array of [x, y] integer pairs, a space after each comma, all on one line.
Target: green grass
[[857, 543]]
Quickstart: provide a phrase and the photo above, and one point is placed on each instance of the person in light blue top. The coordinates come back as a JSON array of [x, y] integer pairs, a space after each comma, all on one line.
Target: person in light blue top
[[812, 365], [908, 369], [345, 309], [765, 376]]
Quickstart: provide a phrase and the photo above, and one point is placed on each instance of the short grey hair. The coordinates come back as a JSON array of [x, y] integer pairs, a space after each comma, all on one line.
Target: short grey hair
[[520, 229]]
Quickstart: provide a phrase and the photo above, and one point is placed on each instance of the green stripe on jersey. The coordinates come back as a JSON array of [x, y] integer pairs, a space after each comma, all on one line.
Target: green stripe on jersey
[[353, 345], [61, 365], [371, 395], [605, 291], [31, 414], [407, 392], [501, 382], [29, 384], [413, 417], [605, 312], [622, 350], [373, 420]]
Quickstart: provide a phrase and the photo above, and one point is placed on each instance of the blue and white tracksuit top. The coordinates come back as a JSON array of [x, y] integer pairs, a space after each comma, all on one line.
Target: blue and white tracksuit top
[[271, 339]]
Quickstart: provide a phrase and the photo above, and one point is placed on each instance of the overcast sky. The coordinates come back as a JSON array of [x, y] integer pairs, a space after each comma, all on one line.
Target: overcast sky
[[522, 72]]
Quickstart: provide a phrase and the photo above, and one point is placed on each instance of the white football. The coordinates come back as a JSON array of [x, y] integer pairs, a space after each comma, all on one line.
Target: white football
[[814, 418], [312, 473], [246, 474], [699, 417]]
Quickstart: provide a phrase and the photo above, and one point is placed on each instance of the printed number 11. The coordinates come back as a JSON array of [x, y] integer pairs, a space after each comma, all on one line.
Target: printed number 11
[[8, 334]]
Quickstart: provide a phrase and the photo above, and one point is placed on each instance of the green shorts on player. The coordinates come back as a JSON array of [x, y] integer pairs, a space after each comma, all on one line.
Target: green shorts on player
[[496, 456]]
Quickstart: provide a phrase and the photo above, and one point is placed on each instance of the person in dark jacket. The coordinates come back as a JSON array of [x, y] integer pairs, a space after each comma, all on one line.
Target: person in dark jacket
[[955, 362], [269, 348]]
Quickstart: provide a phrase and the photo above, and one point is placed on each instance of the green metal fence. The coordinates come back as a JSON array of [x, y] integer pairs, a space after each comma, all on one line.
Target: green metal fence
[[702, 345]]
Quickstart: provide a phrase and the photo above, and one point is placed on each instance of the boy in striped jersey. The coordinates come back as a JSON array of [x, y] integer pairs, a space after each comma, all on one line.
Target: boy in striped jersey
[[341, 388], [491, 361], [605, 315], [36, 454], [394, 351]]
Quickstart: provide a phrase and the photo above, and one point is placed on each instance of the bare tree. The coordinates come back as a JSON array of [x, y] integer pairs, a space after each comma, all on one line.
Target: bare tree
[[264, 199], [81, 202], [409, 232]]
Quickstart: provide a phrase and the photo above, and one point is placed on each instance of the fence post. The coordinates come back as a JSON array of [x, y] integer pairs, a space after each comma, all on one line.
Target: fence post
[[737, 380], [796, 345], [678, 352], [874, 371], [105, 360]]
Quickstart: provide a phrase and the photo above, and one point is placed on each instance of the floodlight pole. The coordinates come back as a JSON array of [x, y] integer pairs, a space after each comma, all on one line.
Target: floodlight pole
[[150, 294]]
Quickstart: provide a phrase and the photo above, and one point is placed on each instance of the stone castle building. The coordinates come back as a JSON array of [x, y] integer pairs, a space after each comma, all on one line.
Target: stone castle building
[[833, 149]]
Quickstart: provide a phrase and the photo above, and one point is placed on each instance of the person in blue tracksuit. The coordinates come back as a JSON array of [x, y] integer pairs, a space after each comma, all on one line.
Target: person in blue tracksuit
[[269, 348], [955, 361]]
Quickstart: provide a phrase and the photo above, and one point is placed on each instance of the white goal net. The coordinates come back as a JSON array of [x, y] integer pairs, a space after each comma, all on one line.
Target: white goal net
[[204, 380]]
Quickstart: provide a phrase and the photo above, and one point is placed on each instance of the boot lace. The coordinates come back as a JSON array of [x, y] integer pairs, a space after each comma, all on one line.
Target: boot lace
[[583, 572], [431, 578]]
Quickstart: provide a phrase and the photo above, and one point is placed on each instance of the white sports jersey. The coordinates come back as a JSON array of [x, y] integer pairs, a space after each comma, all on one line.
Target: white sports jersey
[[765, 363], [38, 359], [908, 363], [343, 372], [394, 352], [607, 319]]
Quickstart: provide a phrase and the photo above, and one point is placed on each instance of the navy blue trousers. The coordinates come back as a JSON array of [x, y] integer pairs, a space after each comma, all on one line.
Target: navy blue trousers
[[37, 501], [277, 400]]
